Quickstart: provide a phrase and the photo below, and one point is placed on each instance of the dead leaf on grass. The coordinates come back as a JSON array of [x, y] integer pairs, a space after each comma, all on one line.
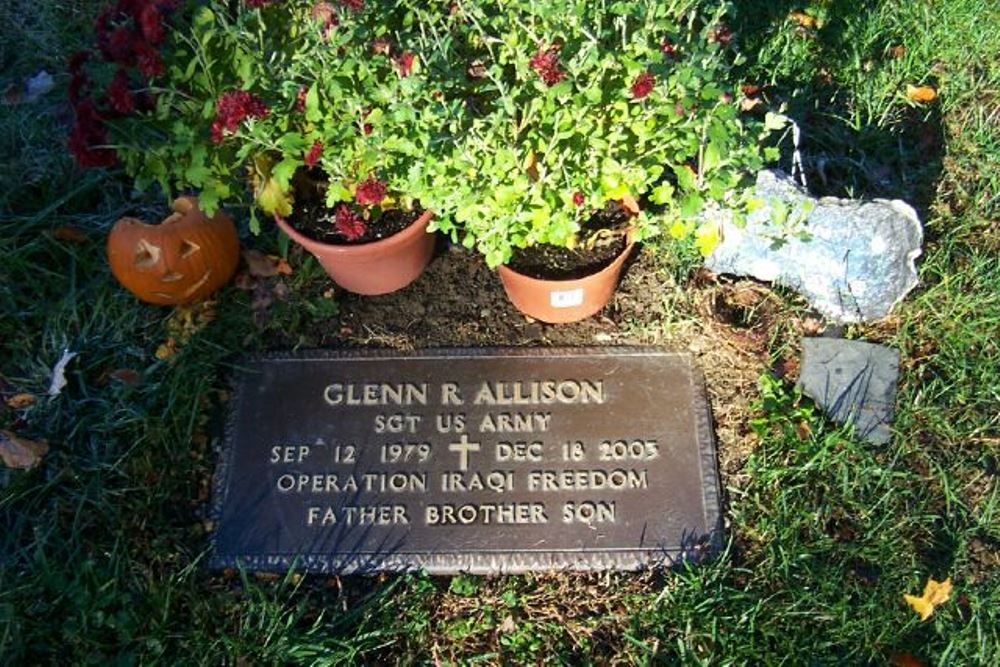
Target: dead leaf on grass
[[897, 51], [935, 594], [166, 349], [920, 94], [59, 373], [20, 453], [804, 20], [803, 430], [508, 625], [125, 375], [20, 401], [261, 265], [904, 660], [69, 233]]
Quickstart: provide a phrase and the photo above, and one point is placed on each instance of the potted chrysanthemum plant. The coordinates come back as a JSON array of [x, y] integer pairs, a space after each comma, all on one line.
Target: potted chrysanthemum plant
[[352, 117], [594, 127]]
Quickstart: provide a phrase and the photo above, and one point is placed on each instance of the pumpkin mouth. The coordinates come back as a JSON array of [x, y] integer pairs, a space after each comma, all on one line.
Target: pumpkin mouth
[[174, 277]]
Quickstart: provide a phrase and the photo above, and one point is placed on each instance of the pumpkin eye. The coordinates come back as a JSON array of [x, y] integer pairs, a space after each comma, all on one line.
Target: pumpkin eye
[[189, 248], [146, 255]]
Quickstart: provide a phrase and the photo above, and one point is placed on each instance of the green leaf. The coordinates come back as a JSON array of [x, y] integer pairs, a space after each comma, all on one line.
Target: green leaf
[[284, 170], [313, 114], [707, 237], [711, 158], [779, 211], [273, 200], [662, 194], [691, 205], [774, 121]]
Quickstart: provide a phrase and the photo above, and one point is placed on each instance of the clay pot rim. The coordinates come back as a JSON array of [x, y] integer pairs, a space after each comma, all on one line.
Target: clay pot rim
[[415, 228], [573, 282]]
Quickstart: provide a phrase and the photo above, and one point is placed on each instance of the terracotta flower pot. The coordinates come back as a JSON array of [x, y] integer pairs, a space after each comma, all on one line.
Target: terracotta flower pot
[[561, 301], [379, 267]]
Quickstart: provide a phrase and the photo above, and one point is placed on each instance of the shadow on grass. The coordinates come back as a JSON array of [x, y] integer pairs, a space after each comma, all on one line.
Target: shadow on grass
[[847, 152]]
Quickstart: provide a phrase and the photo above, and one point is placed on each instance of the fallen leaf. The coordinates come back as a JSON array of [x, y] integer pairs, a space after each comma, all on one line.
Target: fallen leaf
[[281, 290], [69, 234], [20, 401], [904, 660], [261, 265], [803, 19], [59, 373], [920, 94], [12, 94], [531, 166], [811, 326], [508, 625], [125, 375], [38, 85], [284, 268], [750, 103], [21, 453], [935, 593], [167, 349], [803, 430], [244, 281], [897, 51]]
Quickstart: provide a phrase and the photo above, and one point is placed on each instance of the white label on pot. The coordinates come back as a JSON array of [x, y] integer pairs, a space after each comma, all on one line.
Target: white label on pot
[[566, 298]]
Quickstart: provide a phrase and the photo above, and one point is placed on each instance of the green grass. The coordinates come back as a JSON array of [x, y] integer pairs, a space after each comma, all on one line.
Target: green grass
[[102, 547]]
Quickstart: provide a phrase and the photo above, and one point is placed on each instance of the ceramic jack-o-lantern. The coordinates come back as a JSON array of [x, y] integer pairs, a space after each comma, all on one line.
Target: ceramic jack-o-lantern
[[186, 257]]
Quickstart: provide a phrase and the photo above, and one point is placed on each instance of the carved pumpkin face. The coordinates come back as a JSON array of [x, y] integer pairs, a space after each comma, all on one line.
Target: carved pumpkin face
[[184, 258]]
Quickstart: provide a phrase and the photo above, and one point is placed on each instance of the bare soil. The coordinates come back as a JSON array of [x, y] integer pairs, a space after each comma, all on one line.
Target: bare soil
[[604, 240], [315, 220]]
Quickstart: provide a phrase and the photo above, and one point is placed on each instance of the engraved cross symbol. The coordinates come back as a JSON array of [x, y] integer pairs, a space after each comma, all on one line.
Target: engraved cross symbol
[[463, 447]]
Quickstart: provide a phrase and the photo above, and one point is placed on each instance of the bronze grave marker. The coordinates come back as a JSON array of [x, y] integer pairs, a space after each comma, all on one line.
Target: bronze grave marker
[[467, 460]]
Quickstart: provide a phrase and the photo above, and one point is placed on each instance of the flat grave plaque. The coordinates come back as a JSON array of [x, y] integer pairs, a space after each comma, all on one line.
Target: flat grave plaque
[[466, 460]]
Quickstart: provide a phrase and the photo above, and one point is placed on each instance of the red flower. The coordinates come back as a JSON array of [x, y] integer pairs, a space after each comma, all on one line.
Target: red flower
[[546, 63], [120, 46], [257, 4], [300, 99], [86, 141], [77, 61], [722, 34], [370, 192], [578, 198], [366, 129], [78, 79], [151, 23], [312, 157], [326, 15], [668, 48], [353, 5], [348, 224], [149, 60], [232, 108], [643, 85], [404, 62], [120, 95]]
